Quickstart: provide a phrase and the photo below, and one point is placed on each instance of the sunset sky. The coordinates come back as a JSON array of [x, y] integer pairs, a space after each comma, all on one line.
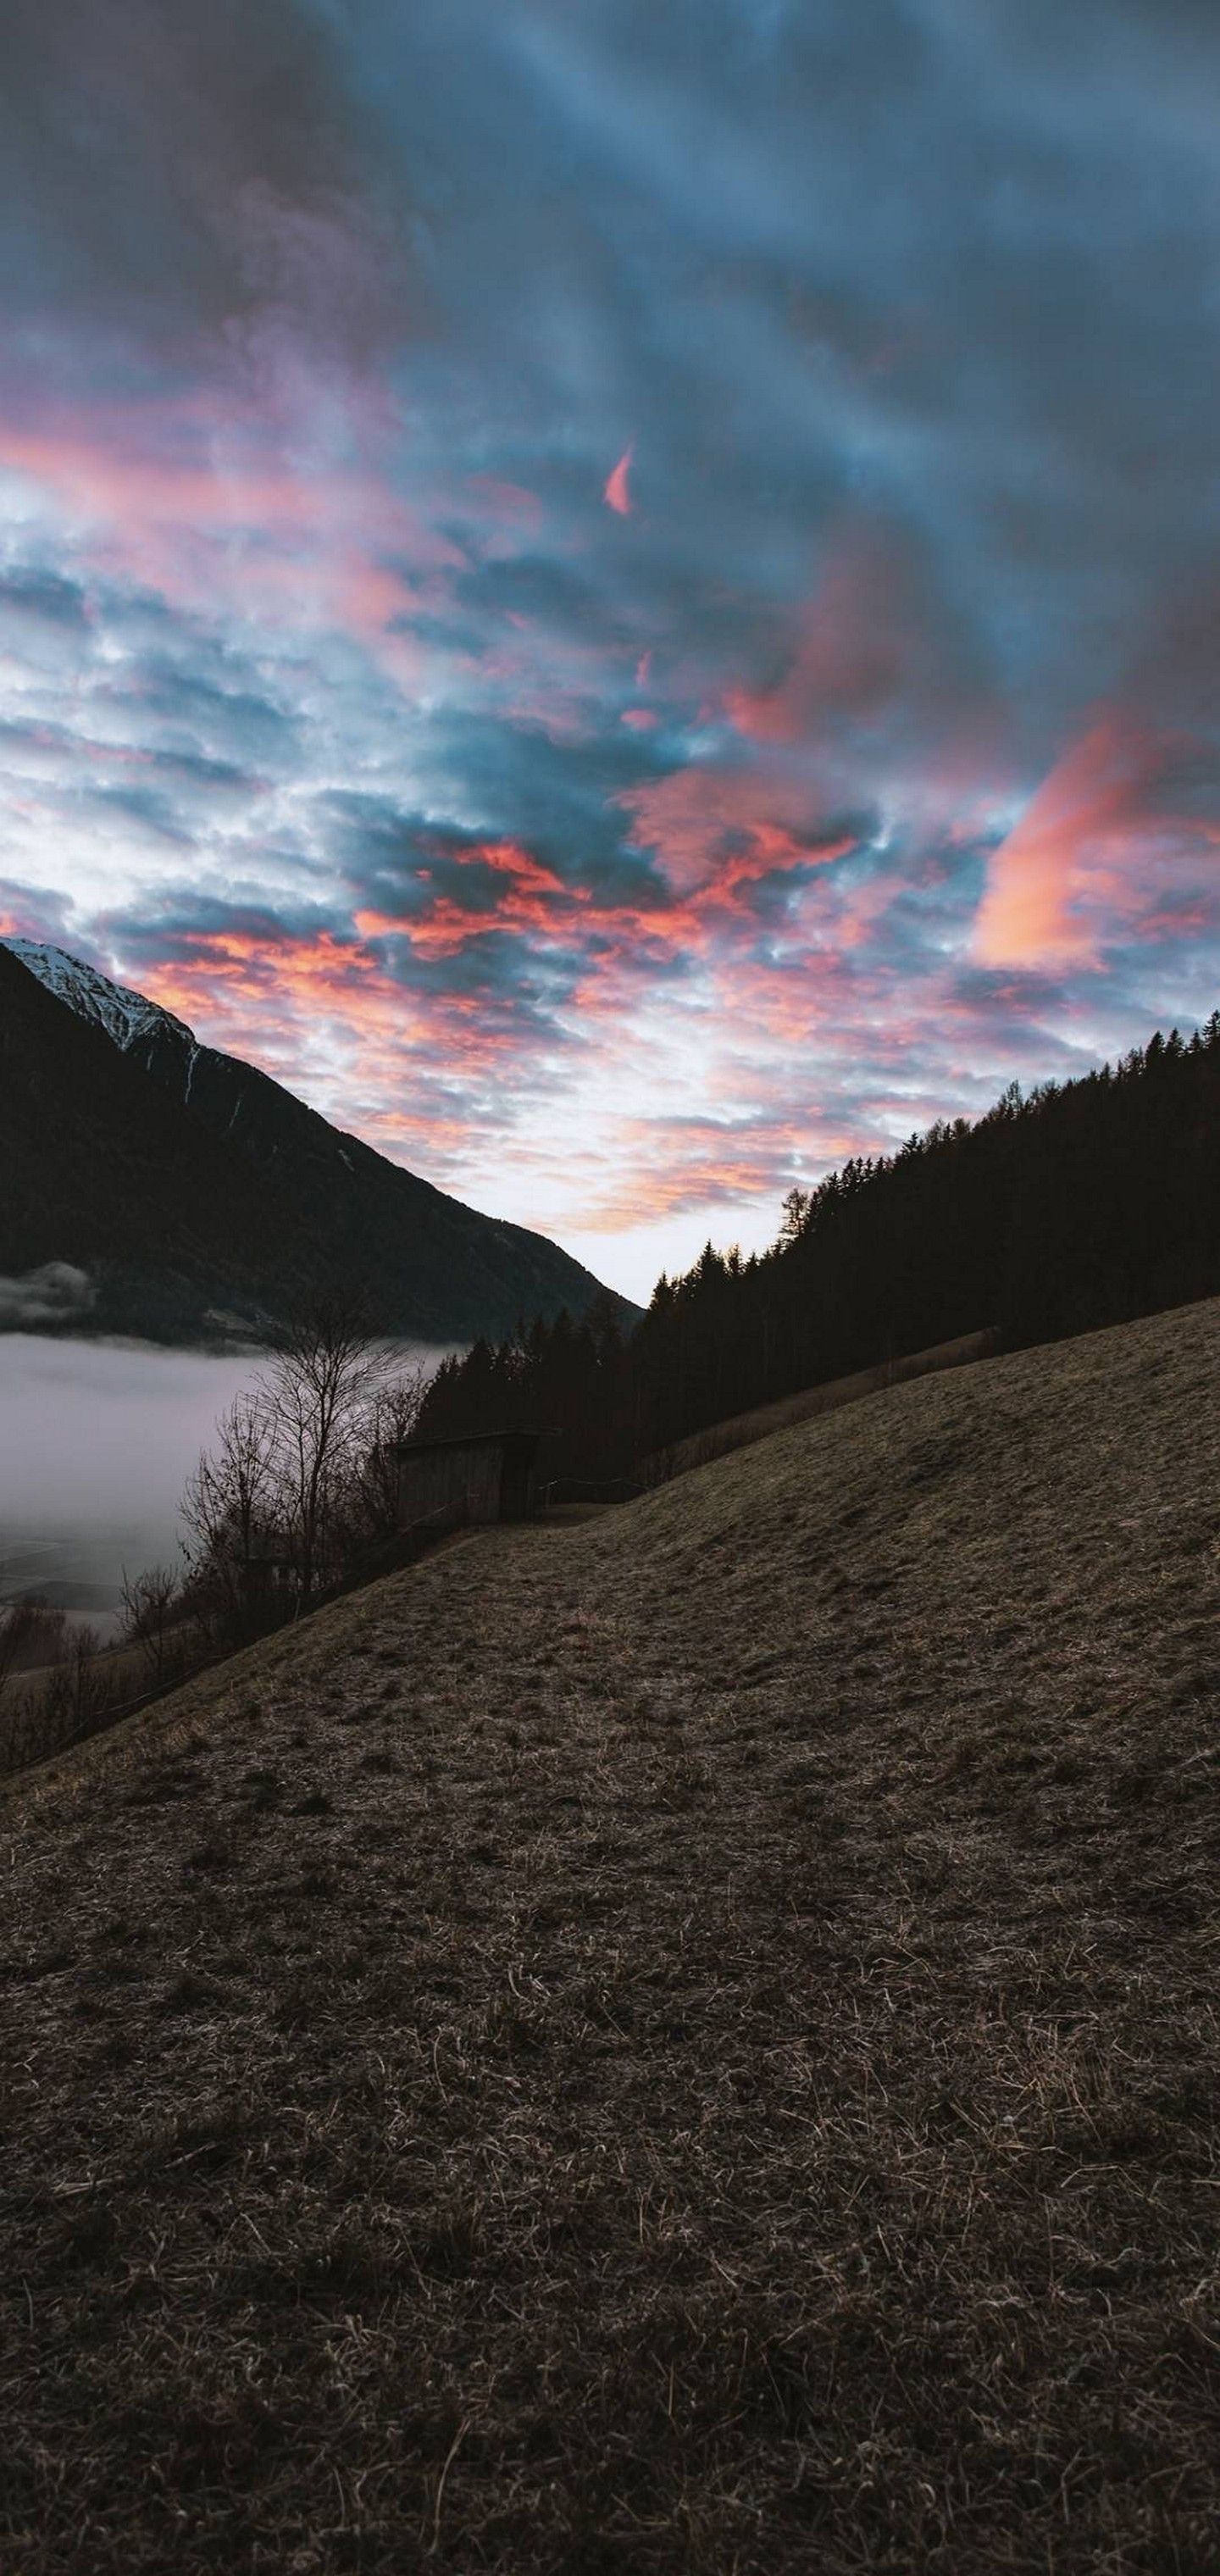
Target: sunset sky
[[624, 593]]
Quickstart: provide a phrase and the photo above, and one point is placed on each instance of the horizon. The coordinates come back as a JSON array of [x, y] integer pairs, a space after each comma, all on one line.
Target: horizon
[[621, 602]]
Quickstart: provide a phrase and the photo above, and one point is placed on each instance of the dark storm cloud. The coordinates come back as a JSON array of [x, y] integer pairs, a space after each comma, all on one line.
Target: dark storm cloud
[[559, 795], [174, 924], [556, 798], [192, 168], [515, 991], [35, 592], [236, 715], [549, 594], [36, 740], [144, 806]]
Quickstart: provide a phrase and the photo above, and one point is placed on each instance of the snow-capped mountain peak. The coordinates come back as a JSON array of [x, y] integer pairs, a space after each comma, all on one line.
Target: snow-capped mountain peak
[[126, 1017], [252, 1202]]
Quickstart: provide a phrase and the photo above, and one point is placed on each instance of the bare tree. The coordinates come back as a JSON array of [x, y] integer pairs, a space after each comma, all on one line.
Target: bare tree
[[385, 1423], [18, 1619], [231, 1501], [302, 1475], [320, 1386], [148, 1600], [30, 1634]]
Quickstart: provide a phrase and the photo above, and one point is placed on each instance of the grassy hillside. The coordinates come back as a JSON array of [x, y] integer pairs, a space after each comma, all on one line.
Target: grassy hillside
[[687, 2042], [741, 1430]]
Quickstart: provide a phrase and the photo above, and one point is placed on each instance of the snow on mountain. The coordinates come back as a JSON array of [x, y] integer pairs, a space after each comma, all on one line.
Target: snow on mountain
[[125, 1016]]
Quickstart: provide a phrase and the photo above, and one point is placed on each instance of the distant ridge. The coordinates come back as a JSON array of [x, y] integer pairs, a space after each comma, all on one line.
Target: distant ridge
[[201, 1198]]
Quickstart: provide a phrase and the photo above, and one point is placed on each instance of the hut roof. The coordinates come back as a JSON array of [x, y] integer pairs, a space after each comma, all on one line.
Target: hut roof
[[521, 1443]]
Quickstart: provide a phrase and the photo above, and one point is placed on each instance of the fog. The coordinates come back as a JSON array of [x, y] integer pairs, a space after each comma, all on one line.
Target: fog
[[97, 1440]]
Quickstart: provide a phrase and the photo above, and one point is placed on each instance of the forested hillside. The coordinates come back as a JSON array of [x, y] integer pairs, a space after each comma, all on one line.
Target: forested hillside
[[1084, 1204]]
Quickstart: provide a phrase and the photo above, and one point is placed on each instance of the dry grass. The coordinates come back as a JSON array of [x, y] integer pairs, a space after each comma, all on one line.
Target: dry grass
[[682, 2043], [741, 1430]]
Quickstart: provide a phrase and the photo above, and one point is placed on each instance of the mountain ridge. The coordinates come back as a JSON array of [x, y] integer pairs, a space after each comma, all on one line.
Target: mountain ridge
[[328, 1211]]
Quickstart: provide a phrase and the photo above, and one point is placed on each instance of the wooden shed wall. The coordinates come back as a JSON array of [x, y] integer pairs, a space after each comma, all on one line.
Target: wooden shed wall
[[430, 1478]]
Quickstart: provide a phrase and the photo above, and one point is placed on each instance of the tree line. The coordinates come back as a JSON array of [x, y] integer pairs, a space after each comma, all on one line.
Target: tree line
[[1076, 1205]]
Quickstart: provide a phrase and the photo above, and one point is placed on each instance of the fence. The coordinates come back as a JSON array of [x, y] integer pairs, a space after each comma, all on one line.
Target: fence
[[586, 1489], [77, 1702], [742, 1429]]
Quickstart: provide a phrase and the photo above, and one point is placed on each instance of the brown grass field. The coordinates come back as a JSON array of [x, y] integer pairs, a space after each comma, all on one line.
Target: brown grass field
[[684, 2042], [742, 1429]]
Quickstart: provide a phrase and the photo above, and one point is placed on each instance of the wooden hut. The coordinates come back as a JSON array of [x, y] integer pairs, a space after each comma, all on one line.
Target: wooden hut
[[484, 1476]]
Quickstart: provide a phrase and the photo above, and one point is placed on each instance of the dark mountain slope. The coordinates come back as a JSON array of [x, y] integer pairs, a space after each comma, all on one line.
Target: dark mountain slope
[[281, 1200], [101, 1168]]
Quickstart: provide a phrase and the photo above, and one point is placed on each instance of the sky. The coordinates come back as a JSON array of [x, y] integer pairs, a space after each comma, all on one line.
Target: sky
[[623, 593]]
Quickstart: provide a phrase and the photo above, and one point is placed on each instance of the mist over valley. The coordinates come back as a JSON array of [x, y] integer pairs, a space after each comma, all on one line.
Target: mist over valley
[[97, 1440]]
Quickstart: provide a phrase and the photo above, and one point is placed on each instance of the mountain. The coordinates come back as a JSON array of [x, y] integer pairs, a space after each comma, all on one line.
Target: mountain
[[199, 1196], [137, 1025], [101, 1170]]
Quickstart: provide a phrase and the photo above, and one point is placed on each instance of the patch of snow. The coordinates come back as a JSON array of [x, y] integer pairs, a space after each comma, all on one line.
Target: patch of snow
[[124, 1015]]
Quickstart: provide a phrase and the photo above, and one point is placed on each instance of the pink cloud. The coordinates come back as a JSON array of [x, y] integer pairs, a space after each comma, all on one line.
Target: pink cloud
[[854, 640], [712, 826], [616, 493], [534, 899], [324, 1015], [202, 511], [1091, 853]]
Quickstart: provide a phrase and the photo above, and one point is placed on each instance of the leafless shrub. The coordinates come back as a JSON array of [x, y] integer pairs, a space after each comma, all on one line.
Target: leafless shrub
[[387, 1419], [230, 1503], [31, 1633], [15, 1621], [149, 1601], [86, 1682], [74, 1695]]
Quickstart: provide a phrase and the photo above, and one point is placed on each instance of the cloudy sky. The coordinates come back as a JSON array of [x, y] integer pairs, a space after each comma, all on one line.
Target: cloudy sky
[[624, 593]]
